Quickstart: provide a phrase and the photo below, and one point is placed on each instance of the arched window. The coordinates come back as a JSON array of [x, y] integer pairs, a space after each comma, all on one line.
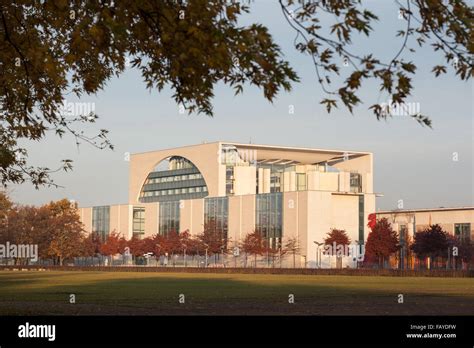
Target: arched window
[[173, 179]]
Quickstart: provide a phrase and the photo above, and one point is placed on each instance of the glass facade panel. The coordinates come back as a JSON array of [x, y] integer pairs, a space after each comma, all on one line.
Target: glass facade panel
[[216, 214], [229, 180], [361, 219], [300, 182], [101, 221], [138, 222], [463, 232], [355, 182], [269, 217], [179, 180], [169, 217]]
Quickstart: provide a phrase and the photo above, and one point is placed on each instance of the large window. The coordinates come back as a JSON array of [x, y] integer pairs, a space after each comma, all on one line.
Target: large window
[[229, 180], [101, 221], [300, 182], [216, 213], [463, 232], [275, 182], [138, 222], [269, 217], [355, 182], [174, 179], [169, 217]]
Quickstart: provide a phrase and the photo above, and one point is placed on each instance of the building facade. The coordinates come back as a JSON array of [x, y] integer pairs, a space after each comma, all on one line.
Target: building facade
[[458, 222], [283, 192]]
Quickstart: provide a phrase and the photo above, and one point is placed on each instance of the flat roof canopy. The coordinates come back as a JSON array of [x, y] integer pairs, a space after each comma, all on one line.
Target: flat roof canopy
[[294, 155]]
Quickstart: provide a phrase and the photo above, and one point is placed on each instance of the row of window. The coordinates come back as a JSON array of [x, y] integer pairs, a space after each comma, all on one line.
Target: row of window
[[178, 191], [174, 178]]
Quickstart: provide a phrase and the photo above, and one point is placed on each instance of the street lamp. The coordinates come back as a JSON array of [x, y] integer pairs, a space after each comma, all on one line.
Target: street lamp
[[318, 253]]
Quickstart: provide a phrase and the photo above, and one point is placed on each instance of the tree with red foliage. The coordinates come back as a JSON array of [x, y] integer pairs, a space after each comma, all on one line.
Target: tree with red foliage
[[213, 239], [168, 243], [90, 245], [137, 247], [335, 244], [430, 243], [381, 243], [372, 218], [111, 246], [123, 244], [185, 243], [253, 244]]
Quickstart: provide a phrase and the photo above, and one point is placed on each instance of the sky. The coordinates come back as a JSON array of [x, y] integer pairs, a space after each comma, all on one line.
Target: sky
[[413, 165]]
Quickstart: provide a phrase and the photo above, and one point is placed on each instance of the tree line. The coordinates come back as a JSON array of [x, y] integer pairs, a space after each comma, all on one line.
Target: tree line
[[58, 231], [431, 247]]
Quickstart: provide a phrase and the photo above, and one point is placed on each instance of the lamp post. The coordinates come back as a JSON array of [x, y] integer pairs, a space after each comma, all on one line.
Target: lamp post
[[318, 259]]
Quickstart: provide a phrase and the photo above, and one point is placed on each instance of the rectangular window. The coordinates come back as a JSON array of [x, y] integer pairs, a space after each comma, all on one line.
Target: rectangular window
[[355, 182], [300, 182], [138, 222], [216, 213], [229, 180], [169, 217], [462, 232], [269, 217], [361, 219], [101, 221], [275, 182]]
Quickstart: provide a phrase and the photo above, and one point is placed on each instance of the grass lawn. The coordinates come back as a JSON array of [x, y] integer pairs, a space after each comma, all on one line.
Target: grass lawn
[[124, 293]]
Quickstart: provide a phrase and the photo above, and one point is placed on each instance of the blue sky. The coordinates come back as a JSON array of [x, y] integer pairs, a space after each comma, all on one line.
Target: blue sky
[[411, 163]]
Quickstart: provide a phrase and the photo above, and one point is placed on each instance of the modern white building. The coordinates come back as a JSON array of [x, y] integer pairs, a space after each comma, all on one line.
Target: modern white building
[[283, 192]]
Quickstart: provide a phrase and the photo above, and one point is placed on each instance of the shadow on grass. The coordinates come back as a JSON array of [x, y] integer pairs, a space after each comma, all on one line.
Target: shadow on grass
[[148, 294]]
